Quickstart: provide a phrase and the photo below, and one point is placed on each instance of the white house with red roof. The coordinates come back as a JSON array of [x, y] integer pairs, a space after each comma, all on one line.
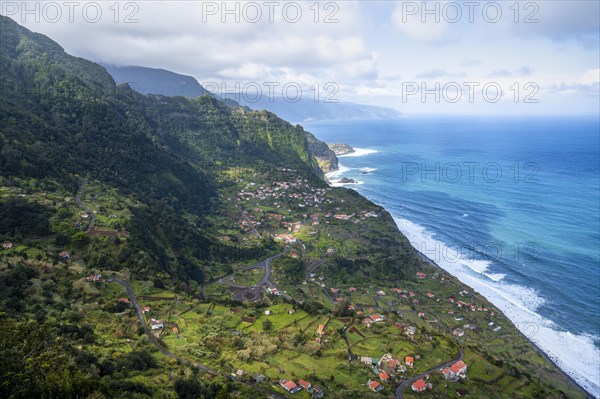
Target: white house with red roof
[[321, 329], [383, 376], [456, 371], [289, 386], [376, 318], [374, 386], [419, 385]]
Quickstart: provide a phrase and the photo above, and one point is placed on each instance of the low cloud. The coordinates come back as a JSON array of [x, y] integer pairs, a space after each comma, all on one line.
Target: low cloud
[[438, 73], [505, 73]]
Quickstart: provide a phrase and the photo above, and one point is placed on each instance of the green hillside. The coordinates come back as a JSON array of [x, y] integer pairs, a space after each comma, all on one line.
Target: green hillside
[[128, 223]]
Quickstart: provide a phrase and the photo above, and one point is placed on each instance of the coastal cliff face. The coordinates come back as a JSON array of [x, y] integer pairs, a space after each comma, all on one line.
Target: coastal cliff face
[[178, 197], [326, 157]]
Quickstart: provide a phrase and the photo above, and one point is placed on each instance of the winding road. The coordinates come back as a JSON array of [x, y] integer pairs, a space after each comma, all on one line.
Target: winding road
[[254, 293], [79, 202], [406, 383], [152, 339], [351, 355]]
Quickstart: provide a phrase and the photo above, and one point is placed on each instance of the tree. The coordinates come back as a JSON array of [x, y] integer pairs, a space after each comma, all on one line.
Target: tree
[[187, 389], [267, 325], [223, 394]]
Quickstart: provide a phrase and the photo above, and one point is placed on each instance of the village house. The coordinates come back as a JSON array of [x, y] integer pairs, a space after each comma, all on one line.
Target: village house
[[321, 329], [64, 255], [289, 386], [258, 378], [94, 277], [419, 385], [374, 386], [176, 330], [456, 371], [7, 245], [368, 360], [409, 361], [146, 309], [317, 392], [305, 385], [383, 376], [388, 363], [376, 318], [421, 275], [156, 324]]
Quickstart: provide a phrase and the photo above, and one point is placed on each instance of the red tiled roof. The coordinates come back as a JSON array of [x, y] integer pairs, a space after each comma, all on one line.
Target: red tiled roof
[[373, 384], [289, 385], [383, 376], [456, 367], [419, 384], [304, 384]]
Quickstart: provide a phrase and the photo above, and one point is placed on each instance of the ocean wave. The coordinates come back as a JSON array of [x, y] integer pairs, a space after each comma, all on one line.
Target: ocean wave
[[495, 276], [359, 152], [575, 354], [338, 173], [336, 183], [368, 170]]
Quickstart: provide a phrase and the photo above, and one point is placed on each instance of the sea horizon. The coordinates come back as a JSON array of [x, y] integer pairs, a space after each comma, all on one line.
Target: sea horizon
[[512, 237]]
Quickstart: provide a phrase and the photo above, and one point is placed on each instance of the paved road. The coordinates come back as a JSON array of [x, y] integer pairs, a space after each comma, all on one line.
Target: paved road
[[313, 268], [245, 216], [79, 202], [151, 337], [407, 383], [345, 337], [254, 293]]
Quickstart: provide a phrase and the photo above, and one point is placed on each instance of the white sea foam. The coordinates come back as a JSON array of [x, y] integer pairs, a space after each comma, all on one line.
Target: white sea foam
[[359, 152], [336, 183], [495, 276], [576, 354], [337, 174], [368, 170]]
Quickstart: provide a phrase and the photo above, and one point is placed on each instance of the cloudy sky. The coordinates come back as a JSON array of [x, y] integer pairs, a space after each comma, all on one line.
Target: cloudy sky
[[467, 57]]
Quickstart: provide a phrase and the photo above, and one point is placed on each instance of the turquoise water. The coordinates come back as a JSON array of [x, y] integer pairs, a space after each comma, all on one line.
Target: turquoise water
[[510, 206]]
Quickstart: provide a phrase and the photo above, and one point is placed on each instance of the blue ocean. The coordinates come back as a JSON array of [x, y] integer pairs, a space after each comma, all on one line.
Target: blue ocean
[[509, 206]]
